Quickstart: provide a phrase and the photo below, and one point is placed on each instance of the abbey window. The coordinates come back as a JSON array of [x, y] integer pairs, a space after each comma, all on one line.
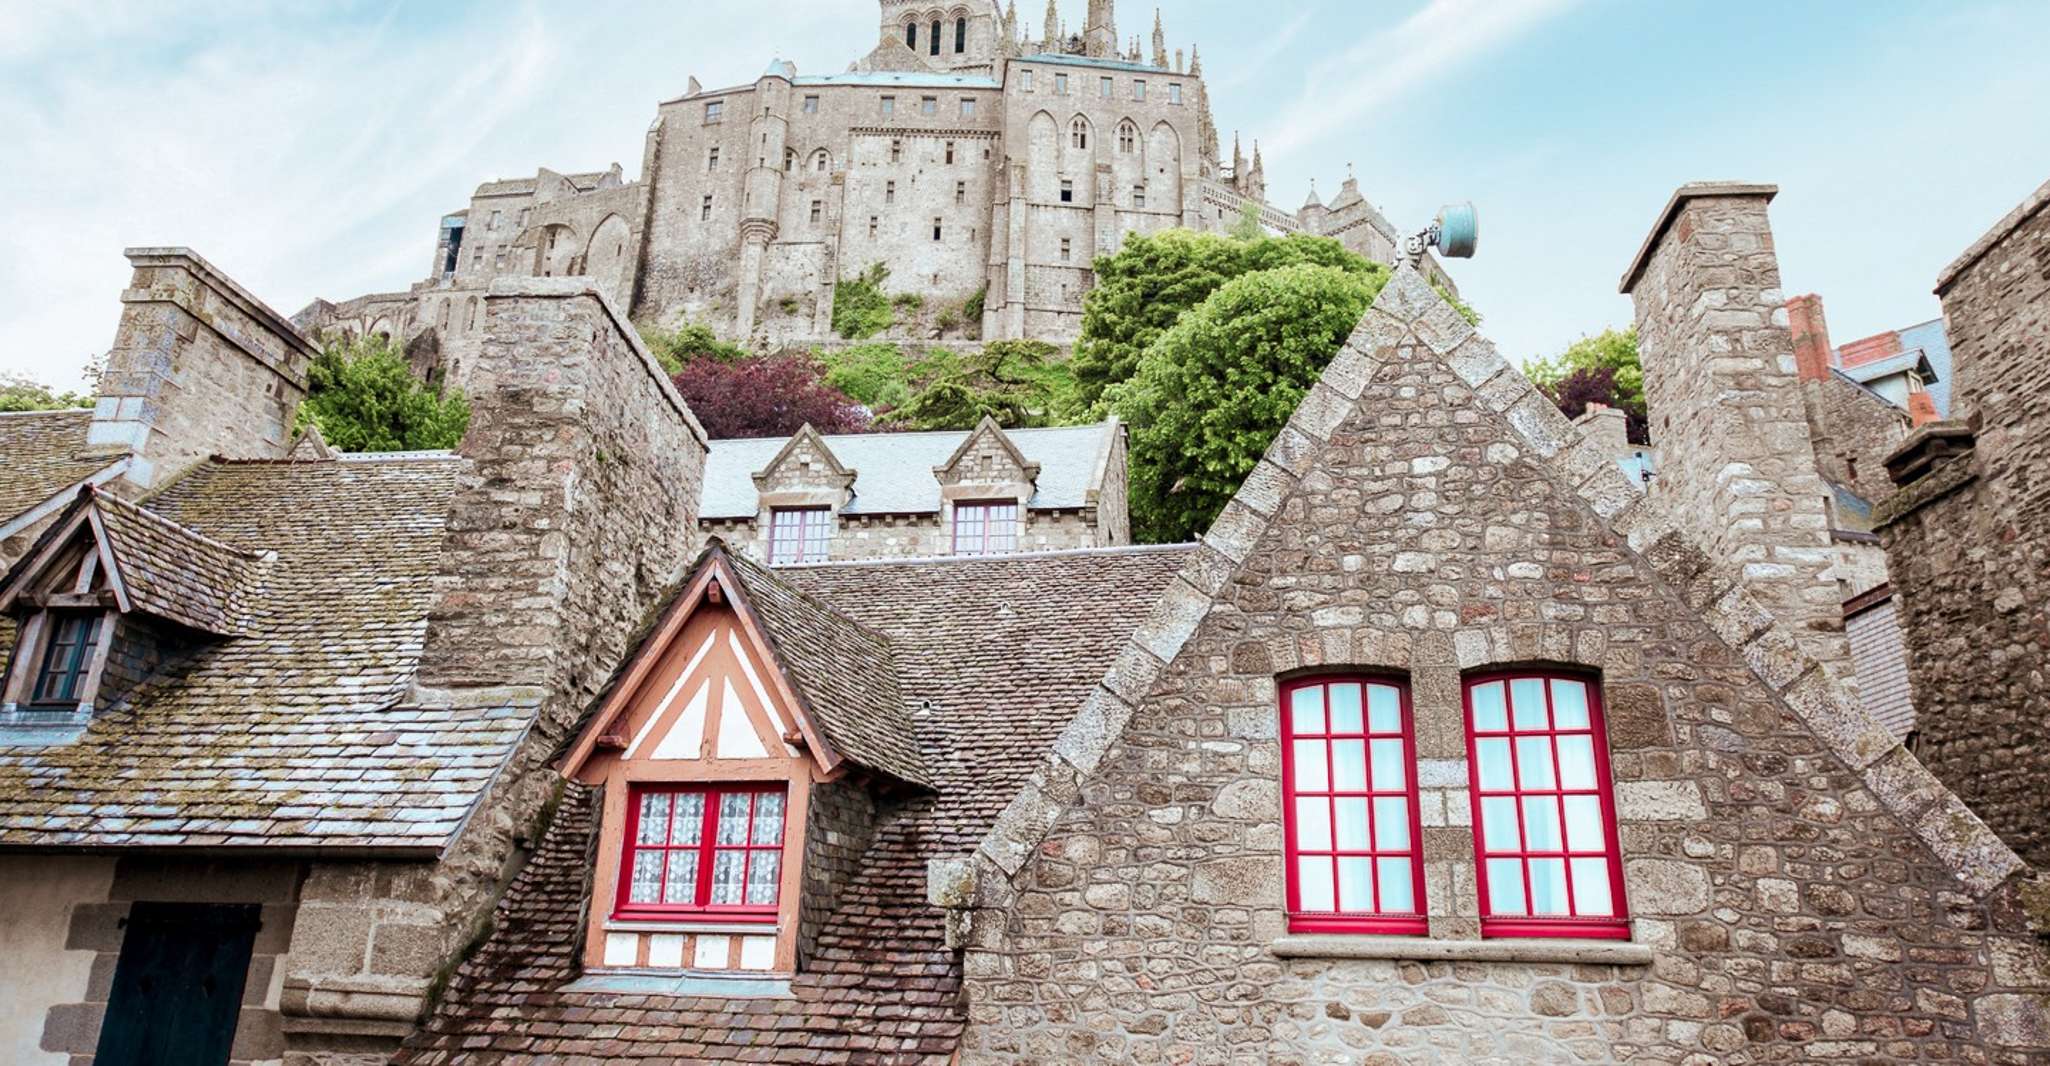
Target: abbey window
[[1139, 89], [811, 105], [889, 106], [935, 41], [928, 105], [1174, 92], [1105, 87], [1128, 137], [1078, 132], [967, 107], [911, 36], [1067, 192], [960, 35]]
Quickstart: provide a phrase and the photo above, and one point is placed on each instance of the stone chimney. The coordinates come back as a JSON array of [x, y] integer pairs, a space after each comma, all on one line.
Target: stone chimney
[[1608, 427], [1727, 407], [1811, 337], [198, 367]]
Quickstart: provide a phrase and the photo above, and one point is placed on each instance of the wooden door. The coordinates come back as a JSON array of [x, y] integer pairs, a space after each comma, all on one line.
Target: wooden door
[[178, 985]]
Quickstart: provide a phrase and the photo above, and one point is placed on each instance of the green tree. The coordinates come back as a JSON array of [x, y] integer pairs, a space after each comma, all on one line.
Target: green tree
[[1018, 383], [860, 308], [19, 393], [1143, 290], [1212, 392], [364, 397], [1602, 368], [876, 375], [688, 343]]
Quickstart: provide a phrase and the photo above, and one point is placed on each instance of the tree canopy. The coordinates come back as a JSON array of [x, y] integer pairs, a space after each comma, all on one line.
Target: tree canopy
[[19, 393], [1143, 290], [1212, 391], [364, 397], [687, 343], [766, 396], [1600, 369], [1018, 383]]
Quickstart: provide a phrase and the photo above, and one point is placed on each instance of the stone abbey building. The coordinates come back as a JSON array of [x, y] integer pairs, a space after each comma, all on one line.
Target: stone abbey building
[[966, 153]]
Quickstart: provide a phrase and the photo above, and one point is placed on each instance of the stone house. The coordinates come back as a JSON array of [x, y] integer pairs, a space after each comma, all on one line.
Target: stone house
[[988, 491], [1446, 743], [270, 714], [1968, 535]]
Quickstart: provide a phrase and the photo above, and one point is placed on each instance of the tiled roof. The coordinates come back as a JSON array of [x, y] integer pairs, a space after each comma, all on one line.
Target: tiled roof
[[1099, 62], [45, 453], [845, 674], [177, 574], [996, 654], [906, 78], [293, 734], [895, 469]]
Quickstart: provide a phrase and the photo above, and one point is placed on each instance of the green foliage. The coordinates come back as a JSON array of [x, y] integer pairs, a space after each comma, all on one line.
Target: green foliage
[[1466, 311], [1211, 393], [1613, 350], [688, 343], [18, 393], [860, 310], [1018, 383], [908, 302], [1248, 227], [364, 398], [947, 319], [971, 308], [875, 375], [1143, 290], [789, 305]]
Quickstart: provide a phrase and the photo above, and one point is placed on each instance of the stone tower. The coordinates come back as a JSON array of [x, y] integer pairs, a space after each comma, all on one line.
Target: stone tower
[[762, 192], [1100, 35], [1726, 406]]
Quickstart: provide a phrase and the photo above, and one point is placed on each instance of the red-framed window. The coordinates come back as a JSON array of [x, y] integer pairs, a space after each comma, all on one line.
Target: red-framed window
[[1544, 811], [702, 850], [799, 534], [67, 656], [985, 527], [1349, 807]]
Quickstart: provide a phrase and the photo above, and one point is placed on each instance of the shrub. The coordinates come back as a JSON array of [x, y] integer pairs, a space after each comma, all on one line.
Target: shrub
[[875, 375], [362, 394], [860, 310], [766, 396], [687, 344]]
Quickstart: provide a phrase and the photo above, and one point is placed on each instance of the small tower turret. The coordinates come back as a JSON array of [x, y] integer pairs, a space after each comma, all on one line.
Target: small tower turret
[[1100, 35], [1053, 27], [1159, 42]]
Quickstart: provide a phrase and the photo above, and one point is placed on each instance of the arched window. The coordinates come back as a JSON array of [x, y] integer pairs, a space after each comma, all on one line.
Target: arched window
[[1128, 134], [1078, 132], [911, 36], [960, 35], [935, 43], [819, 161]]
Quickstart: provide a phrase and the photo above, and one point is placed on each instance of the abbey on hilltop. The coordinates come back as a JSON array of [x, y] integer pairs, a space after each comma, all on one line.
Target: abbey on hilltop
[[979, 163]]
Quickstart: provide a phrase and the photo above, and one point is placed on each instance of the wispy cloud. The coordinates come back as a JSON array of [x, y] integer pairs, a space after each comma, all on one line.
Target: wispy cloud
[[1386, 65], [1253, 65]]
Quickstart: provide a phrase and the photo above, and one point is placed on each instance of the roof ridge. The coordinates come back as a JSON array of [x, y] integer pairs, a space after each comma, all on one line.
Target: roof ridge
[[733, 554]]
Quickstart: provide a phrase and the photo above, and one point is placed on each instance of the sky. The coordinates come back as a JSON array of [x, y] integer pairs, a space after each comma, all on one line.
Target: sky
[[309, 149]]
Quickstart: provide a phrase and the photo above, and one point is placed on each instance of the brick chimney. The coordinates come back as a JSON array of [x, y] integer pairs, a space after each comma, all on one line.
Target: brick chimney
[[1921, 408], [1811, 337], [1736, 458], [198, 367]]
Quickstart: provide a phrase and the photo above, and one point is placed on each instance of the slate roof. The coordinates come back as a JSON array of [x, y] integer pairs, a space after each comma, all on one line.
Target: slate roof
[[894, 470], [177, 574], [293, 734], [995, 655], [46, 454]]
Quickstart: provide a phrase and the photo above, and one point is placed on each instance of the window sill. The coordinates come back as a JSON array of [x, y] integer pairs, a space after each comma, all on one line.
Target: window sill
[[1515, 949], [692, 925]]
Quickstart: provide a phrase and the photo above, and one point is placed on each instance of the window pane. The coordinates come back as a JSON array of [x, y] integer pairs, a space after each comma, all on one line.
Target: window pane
[[1548, 886], [1313, 823], [1345, 708], [1391, 823], [1384, 709], [1355, 884], [1527, 695], [1493, 755], [1505, 886], [768, 819], [1352, 823], [727, 868], [1398, 890], [688, 827], [653, 825], [1309, 766], [733, 818], [1488, 713], [1349, 766], [1541, 824], [1306, 710], [761, 877], [1534, 762], [683, 878], [647, 879], [1584, 823], [1313, 882], [1498, 824], [1389, 769], [1569, 704], [1576, 761], [1591, 888]]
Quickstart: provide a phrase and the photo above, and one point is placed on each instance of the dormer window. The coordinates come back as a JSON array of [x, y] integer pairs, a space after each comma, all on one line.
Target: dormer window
[[67, 658], [703, 850], [985, 527], [799, 535]]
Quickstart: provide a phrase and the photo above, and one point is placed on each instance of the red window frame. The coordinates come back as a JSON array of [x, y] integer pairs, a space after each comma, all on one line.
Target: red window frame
[[1575, 861], [705, 849], [1374, 796], [981, 537], [812, 528]]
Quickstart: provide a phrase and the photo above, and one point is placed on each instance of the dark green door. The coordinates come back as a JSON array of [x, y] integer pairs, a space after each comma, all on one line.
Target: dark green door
[[178, 985]]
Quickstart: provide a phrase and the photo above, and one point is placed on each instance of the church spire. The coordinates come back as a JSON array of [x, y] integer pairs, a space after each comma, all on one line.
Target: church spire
[[1159, 42], [1195, 62], [1053, 27]]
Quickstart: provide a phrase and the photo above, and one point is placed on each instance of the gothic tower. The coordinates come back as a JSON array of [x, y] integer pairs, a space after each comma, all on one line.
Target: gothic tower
[[1100, 36]]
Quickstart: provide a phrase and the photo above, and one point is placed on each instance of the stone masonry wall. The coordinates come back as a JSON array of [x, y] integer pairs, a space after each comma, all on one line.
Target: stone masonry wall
[[1726, 407], [198, 367], [580, 508], [1855, 430], [1968, 543]]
